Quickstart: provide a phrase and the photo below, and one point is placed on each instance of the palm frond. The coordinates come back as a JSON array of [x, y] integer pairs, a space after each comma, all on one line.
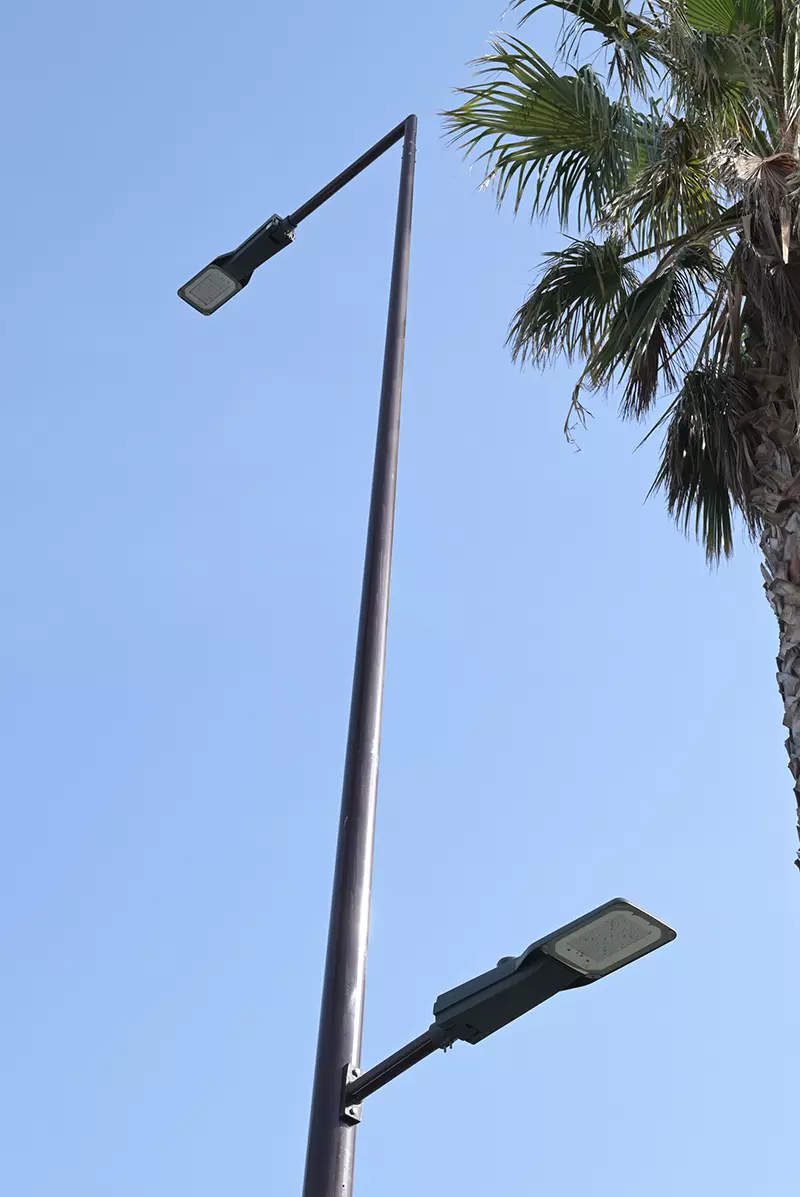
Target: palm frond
[[791, 68], [707, 465], [573, 302], [770, 287], [630, 38], [672, 194], [718, 83], [604, 16], [643, 343], [559, 134], [728, 16]]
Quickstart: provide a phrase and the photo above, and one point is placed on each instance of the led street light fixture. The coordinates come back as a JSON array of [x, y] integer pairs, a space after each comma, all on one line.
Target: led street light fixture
[[227, 274], [600, 942]]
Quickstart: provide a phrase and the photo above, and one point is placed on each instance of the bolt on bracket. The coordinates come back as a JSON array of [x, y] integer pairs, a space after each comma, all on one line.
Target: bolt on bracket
[[351, 1114]]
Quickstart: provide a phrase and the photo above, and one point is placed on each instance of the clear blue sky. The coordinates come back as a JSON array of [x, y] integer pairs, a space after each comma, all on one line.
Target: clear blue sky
[[576, 707]]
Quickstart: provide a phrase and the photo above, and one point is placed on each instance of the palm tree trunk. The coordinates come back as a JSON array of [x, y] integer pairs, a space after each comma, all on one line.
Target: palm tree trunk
[[781, 547], [777, 460]]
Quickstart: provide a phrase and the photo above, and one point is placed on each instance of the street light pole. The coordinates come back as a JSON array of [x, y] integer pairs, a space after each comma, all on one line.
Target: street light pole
[[331, 1133], [331, 1139]]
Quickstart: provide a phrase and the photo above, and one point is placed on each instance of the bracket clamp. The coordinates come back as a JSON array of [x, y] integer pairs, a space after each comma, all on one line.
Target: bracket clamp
[[351, 1114]]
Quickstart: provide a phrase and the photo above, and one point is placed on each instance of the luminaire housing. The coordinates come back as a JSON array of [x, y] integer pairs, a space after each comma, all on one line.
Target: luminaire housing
[[605, 939], [218, 282]]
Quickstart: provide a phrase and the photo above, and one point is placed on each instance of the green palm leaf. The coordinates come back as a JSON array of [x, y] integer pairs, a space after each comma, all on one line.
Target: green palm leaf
[[707, 460], [631, 39], [672, 193], [727, 16], [643, 343], [791, 65], [604, 16], [718, 83], [559, 134], [572, 304]]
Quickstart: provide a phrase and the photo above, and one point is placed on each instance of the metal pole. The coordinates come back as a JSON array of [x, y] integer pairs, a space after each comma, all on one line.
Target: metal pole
[[331, 1142]]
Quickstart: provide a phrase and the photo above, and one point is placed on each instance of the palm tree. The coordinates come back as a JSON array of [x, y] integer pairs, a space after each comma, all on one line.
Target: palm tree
[[677, 167]]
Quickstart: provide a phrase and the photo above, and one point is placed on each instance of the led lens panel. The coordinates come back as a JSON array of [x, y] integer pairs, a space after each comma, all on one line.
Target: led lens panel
[[613, 938], [209, 289]]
